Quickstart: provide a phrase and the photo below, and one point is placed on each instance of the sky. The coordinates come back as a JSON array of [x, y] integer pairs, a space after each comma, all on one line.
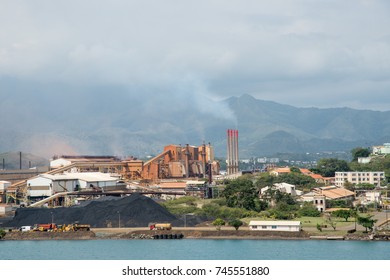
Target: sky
[[305, 53]]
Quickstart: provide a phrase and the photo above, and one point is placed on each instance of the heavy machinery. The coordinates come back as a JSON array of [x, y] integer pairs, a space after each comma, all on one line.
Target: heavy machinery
[[73, 227], [160, 226], [45, 227]]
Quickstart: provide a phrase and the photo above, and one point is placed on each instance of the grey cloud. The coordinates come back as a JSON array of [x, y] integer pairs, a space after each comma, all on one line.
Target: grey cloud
[[304, 53]]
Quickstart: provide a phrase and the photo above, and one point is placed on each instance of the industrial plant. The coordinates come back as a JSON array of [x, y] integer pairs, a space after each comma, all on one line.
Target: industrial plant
[[176, 170]]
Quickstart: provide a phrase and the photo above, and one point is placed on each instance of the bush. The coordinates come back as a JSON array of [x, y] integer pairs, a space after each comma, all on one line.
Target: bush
[[2, 233], [309, 210], [218, 223]]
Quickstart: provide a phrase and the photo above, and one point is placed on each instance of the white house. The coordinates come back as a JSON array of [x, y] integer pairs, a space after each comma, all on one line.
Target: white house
[[381, 150], [275, 225], [283, 187]]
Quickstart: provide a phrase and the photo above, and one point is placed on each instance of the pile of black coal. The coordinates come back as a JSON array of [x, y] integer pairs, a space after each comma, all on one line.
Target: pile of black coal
[[135, 210]]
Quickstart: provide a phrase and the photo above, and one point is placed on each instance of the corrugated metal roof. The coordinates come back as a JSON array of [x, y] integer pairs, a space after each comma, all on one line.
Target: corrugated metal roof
[[84, 176], [274, 223]]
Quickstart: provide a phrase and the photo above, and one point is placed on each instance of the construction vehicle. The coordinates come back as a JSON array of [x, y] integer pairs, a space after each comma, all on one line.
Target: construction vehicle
[[160, 226], [45, 227], [78, 227], [73, 227]]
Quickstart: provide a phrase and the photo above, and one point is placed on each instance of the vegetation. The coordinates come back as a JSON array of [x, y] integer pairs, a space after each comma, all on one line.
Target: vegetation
[[360, 152], [235, 223], [2, 233], [309, 210], [330, 221], [367, 222], [342, 213], [218, 223], [241, 193], [327, 167]]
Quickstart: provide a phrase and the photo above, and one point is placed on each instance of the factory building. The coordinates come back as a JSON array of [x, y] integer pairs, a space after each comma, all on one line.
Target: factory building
[[178, 161]]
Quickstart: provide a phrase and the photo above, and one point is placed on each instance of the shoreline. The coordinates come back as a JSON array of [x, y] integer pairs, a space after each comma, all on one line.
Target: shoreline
[[188, 233]]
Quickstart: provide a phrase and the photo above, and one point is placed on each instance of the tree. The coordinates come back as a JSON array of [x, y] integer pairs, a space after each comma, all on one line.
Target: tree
[[236, 223], [297, 179], [327, 167], [241, 193], [366, 222], [342, 213], [218, 223], [360, 152], [295, 169], [331, 222]]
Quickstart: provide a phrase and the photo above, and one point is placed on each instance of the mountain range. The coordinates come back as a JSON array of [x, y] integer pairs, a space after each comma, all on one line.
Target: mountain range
[[120, 124]]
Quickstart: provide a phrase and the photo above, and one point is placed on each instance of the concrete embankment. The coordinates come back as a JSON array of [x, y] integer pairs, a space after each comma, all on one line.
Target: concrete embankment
[[36, 235], [142, 233]]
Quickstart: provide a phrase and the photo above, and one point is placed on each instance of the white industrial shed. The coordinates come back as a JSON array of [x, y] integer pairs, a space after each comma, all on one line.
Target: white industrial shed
[[275, 225], [4, 185], [47, 185]]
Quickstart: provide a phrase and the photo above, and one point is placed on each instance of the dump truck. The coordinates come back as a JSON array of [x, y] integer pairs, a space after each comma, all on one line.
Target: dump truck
[[160, 226], [73, 227], [84, 227], [45, 227]]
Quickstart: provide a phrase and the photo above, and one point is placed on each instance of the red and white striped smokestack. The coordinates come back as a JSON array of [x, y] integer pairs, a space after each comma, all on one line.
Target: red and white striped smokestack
[[236, 152]]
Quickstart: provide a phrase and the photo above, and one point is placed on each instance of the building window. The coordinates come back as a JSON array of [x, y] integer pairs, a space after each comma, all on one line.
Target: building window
[[254, 227], [264, 227], [274, 227]]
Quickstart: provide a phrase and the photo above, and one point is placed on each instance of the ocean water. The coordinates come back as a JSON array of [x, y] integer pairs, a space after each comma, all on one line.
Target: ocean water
[[194, 249]]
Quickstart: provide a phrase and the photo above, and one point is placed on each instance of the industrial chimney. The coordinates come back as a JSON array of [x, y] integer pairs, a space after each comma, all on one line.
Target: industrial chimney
[[232, 151]]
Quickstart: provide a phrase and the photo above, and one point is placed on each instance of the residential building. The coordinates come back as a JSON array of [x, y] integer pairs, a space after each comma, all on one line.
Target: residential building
[[319, 201], [381, 150], [335, 193], [275, 225], [282, 187], [366, 177]]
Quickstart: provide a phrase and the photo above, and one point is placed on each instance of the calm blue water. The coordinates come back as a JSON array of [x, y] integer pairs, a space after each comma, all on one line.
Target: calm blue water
[[194, 249]]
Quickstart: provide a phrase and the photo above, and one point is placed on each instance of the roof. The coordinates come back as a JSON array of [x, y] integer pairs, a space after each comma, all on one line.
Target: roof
[[316, 176], [282, 170], [196, 182], [305, 171], [274, 223], [173, 185], [334, 192], [283, 185], [84, 176]]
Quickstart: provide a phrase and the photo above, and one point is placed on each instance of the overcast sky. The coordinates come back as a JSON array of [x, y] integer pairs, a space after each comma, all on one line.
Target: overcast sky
[[328, 53]]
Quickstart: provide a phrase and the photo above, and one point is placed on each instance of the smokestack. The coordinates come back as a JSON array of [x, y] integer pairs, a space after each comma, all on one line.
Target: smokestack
[[236, 151], [3, 164], [20, 160], [187, 160], [204, 159], [232, 151]]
